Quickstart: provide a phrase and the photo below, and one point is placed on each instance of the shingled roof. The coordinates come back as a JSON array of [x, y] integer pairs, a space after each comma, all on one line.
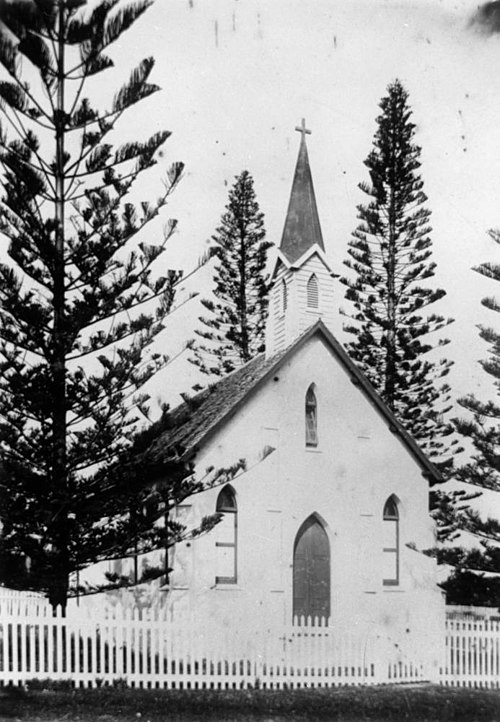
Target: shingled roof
[[191, 423]]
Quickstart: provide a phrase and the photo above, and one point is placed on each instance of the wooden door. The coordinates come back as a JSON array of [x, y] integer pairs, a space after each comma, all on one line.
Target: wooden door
[[311, 571]]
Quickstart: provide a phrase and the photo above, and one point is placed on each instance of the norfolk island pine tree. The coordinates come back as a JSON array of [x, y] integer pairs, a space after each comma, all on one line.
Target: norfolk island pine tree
[[79, 307], [481, 429], [390, 256], [236, 325]]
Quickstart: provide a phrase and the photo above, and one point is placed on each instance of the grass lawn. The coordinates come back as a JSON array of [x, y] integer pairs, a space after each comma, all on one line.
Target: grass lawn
[[425, 703]]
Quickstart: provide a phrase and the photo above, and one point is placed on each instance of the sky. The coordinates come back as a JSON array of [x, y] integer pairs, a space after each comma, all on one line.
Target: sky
[[237, 77]]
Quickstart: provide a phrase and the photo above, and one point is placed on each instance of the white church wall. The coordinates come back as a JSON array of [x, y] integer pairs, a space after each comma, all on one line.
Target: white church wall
[[346, 480]]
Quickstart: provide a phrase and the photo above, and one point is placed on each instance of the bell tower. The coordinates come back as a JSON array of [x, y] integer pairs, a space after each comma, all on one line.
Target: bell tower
[[302, 283]]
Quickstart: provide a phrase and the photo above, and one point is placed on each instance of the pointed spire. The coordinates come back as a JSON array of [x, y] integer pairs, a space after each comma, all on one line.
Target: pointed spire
[[302, 229]]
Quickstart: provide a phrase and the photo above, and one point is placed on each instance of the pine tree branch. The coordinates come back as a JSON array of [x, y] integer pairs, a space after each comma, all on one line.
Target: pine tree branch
[[128, 390], [25, 209], [136, 305], [24, 86], [126, 237], [42, 168], [21, 347]]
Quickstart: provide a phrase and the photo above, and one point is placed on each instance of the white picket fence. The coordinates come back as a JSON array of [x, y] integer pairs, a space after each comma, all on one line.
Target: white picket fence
[[150, 650], [472, 653]]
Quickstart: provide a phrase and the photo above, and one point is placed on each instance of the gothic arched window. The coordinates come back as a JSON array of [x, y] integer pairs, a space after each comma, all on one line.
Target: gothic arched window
[[284, 297], [312, 292], [226, 537], [391, 542], [311, 417], [311, 570]]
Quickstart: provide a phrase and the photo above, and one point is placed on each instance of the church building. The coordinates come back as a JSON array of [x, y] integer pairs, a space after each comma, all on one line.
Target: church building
[[330, 519]]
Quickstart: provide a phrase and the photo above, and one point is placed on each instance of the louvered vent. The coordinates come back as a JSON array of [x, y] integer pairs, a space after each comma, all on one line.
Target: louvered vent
[[284, 297], [312, 292]]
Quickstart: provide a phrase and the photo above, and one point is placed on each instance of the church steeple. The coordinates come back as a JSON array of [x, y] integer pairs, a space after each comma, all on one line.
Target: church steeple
[[302, 228], [302, 286]]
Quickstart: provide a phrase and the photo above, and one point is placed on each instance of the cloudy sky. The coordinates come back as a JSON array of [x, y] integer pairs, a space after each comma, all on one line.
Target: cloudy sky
[[238, 76]]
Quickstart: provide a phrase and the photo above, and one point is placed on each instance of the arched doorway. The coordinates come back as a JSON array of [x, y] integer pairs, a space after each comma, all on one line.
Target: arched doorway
[[311, 570]]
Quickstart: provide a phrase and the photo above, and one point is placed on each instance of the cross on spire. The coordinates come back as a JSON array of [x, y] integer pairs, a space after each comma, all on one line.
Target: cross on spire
[[302, 129], [302, 230]]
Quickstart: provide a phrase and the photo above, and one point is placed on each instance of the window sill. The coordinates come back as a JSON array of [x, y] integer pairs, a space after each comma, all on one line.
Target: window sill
[[394, 590], [226, 587], [313, 450]]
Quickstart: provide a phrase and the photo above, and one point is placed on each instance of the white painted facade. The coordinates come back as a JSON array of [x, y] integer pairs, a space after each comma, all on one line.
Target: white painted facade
[[345, 481]]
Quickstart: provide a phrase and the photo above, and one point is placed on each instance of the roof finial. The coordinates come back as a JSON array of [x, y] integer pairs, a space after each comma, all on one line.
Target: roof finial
[[302, 129]]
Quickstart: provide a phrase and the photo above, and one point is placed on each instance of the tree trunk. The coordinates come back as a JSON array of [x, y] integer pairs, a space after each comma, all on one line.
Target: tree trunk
[[58, 590], [245, 351], [390, 362]]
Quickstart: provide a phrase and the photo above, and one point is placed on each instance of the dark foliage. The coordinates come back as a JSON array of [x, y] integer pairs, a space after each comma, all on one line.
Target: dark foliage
[[482, 430], [465, 587], [79, 308], [390, 257], [236, 325]]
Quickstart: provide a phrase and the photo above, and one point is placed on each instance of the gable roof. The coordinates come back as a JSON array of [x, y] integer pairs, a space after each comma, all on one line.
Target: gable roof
[[302, 228], [281, 259], [194, 421]]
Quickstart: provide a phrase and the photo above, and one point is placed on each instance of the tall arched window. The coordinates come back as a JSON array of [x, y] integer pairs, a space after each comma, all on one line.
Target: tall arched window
[[311, 570], [312, 292], [311, 417], [226, 537], [284, 297], [391, 542]]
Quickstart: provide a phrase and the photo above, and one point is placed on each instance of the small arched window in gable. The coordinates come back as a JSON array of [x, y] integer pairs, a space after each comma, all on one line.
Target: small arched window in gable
[[312, 292], [391, 542], [226, 537], [284, 297], [311, 417]]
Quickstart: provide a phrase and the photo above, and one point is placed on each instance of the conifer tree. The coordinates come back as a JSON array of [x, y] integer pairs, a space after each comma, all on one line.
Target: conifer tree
[[79, 307], [390, 256], [235, 328], [482, 472]]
